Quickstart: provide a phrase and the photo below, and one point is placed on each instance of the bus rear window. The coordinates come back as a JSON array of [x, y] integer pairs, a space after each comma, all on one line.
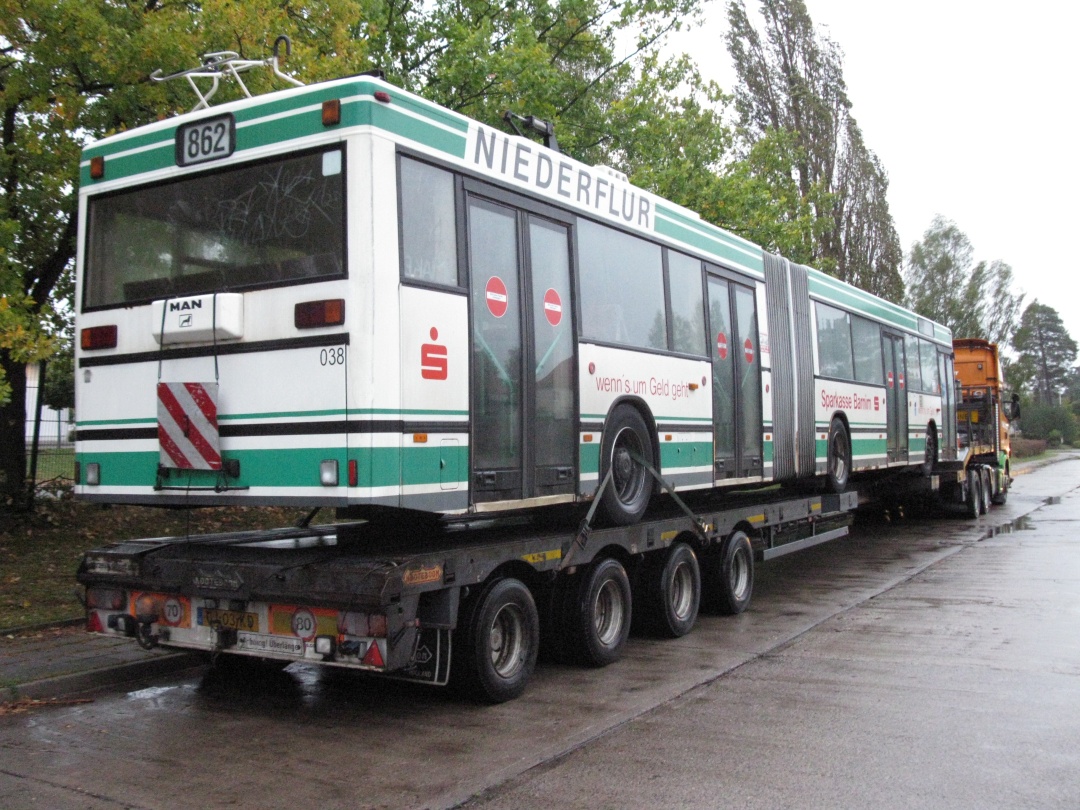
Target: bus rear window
[[275, 222]]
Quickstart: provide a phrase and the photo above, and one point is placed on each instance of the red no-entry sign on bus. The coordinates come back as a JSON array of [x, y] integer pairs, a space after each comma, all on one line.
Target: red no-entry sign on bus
[[721, 346], [748, 350], [553, 307], [495, 293]]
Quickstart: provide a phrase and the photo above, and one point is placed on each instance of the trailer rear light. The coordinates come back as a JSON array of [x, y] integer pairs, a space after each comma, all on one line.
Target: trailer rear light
[[98, 337], [377, 625], [328, 472], [331, 112], [105, 598], [93, 474], [313, 314], [147, 607]]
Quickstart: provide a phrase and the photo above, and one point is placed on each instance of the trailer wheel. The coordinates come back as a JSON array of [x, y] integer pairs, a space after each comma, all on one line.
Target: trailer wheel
[[839, 456], [596, 615], [930, 456], [973, 498], [1001, 494], [626, 497], [729, 576], [499, 635], [671, 592], [987, 491]]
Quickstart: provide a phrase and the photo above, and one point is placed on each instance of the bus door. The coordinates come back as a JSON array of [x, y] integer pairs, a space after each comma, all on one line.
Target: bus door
[[736, 371], [522, 403], [892, 346]]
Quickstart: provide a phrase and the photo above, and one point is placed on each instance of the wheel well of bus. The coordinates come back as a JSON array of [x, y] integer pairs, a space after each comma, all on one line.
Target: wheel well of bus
[[638, 404], [847, 426]]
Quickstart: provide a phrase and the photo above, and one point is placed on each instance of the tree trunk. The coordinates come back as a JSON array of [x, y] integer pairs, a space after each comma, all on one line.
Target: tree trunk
[[13, 493]]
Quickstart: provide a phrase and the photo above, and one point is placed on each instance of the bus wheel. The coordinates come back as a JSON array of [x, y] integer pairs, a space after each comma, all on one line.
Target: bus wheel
[[671, 591], [1001, 494], [839, 456], [987, 492], [499, 635], [931, 455], [599, 621], [626, 497], [729, 575]]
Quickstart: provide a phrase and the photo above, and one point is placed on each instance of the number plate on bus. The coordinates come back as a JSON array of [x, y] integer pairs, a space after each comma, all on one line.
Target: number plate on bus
[[208, 139], [231, 620]]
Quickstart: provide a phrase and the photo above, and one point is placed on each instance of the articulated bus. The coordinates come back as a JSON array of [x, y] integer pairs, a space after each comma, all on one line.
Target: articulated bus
[[344, 295]]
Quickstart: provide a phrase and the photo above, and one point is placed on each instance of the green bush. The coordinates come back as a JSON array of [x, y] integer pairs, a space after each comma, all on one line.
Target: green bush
[[1040, 421], [1027, 448]]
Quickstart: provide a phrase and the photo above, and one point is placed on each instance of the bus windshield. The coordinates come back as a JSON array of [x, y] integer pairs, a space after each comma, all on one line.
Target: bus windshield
[[280, 221]]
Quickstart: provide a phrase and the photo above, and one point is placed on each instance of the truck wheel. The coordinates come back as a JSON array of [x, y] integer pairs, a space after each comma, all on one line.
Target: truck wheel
[[930, 456], [839, 456], [729, 576], [626, 497], [499, 635], [987, 491], [1002, 493], [973, 499], [596, 618], [671, 591]]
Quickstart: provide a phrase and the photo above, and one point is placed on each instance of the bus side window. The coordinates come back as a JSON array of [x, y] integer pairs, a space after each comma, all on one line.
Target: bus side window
[[428, 223], [834, 343]]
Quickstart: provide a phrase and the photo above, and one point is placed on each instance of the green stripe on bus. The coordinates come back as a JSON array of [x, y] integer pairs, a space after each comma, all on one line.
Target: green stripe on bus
[[713, 245], [674, 455]]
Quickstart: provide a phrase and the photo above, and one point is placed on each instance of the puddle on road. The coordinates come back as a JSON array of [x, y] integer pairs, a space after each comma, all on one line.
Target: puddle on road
[[1021, 524]]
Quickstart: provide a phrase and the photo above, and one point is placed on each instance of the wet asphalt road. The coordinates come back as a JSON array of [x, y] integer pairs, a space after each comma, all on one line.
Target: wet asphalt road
[[918, 664]]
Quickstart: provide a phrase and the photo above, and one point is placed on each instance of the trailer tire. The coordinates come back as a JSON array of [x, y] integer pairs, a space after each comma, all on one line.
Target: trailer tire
[[930, 454], [987, 491], [729, 576], [838, 469], [670, 590], [973, 496], [596, 615], [626, 497], [499, 637]]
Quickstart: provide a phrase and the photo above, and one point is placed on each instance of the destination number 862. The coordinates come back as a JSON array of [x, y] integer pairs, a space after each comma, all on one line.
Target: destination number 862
[[332, 357]]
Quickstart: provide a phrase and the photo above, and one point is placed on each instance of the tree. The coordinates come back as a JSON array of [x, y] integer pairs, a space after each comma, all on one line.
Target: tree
[[1043, 343], [792, 80], [942, 284]]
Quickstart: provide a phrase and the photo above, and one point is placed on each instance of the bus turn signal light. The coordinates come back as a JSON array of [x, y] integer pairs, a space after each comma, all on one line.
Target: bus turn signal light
[[331, 112], [313, 314], [98, 337], [97, 167]]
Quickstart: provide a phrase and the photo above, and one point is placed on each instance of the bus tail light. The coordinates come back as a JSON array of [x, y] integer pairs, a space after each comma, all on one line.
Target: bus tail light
[[98, 337], [313, 314], [328, 472], [354, 473], [383, 96]]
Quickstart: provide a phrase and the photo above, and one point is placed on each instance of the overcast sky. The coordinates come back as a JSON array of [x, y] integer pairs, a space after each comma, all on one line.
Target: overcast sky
[[971, 105]]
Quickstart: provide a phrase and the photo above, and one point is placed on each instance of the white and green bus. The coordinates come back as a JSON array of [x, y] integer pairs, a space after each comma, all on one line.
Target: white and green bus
[[344, 295]]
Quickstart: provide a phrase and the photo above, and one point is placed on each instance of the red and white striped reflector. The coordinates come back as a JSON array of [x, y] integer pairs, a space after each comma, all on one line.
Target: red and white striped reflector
[[188, 427]]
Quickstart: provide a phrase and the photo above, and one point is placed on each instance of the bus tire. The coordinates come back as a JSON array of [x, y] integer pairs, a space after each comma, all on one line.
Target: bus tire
[[930, 455], [1001, 494], [729, 576], [627, 495], [987, 491], [597, 621], [839, 456], [671, 592], [499, 637]]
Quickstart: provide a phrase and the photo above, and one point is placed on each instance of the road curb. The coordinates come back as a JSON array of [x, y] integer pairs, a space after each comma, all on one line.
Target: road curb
[[105, 677]]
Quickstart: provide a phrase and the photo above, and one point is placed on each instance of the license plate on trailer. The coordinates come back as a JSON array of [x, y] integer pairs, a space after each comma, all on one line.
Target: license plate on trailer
[[231, 619]]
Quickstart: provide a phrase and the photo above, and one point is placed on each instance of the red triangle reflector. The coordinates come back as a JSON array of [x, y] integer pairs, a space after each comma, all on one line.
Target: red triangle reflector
[[93, 623], [373, 658]]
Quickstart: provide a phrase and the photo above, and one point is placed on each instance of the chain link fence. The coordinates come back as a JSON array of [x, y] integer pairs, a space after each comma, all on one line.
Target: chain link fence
[[50, 439]]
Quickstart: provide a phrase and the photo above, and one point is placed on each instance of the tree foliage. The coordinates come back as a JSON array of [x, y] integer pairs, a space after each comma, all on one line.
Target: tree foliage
[[943, 283], [1046, 352], [790, 79]]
